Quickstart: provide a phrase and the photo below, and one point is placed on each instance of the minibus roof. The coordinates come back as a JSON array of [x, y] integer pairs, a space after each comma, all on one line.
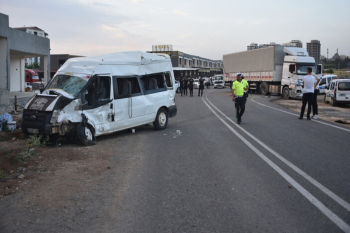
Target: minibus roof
[[124, 63]]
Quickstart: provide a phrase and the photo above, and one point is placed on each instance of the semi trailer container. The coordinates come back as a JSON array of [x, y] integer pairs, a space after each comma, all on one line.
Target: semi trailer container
[[276, 69]]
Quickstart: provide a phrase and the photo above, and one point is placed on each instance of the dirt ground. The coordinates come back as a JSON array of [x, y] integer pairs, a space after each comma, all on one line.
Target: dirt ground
[[59, 181], [24, 167], [339, 113]]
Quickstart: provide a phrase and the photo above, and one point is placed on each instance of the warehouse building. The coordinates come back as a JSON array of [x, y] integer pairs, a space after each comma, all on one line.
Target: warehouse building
[[15, 47], [185, 64]]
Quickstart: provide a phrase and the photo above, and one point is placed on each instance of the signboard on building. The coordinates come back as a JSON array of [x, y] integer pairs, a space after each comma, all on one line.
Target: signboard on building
[[171, 54], [162, 48]]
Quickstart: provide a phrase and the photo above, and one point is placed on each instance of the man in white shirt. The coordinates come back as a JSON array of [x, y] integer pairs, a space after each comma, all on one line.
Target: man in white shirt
[[308, 93], [314, 99]]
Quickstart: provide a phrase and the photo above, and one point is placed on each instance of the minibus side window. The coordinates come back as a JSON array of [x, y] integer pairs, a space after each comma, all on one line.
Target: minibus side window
[[153, 83], [168, 80], [126, 87]]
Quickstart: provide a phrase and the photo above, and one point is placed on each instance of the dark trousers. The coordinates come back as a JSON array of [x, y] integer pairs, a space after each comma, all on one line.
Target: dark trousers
[[240, 107], [191, 91], [185, 90], [181, 90], [200, 91], [307, 98], [314, 103]]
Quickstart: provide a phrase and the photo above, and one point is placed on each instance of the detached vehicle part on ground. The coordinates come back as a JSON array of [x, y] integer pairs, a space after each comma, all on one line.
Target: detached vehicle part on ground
[[93, 96]]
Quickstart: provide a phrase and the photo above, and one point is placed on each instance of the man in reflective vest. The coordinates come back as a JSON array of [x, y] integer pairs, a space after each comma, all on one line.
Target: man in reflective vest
[[238, 88]]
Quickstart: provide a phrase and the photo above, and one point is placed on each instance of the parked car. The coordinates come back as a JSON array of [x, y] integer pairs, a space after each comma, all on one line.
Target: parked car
[[196, 83], [338, 92], [324, 83]]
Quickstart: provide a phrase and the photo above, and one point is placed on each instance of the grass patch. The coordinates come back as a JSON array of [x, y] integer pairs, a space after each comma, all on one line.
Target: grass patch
[[20, 156], [341, 73], [36, 141]]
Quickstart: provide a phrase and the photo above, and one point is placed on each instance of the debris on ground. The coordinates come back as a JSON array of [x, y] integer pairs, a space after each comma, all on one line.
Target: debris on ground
[[342, 122], [177, 133]]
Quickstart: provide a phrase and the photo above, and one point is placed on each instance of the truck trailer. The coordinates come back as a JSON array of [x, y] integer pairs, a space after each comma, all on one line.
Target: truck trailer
[[276, 69]]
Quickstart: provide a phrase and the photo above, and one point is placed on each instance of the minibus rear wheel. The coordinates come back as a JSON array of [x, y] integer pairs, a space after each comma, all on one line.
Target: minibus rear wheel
[[85, 135], [161, 121]]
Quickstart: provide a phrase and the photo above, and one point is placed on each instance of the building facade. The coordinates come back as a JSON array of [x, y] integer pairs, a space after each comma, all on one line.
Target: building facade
[[314, 50], [292, 43], [37, 32], [185, 64], [15, 47]]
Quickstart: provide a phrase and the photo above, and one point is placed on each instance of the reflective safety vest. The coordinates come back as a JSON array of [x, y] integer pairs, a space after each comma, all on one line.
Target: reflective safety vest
[[239, 87]]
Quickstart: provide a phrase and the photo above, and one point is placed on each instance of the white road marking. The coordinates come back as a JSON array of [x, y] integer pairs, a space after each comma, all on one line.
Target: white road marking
[[348, 130], [325, 190], [333, 217]]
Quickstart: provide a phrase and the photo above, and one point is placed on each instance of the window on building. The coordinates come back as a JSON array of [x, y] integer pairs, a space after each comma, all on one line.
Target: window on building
[[36, 33]]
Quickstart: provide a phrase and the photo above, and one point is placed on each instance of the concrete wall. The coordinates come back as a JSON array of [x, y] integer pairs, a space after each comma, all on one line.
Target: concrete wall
[[3, 63]]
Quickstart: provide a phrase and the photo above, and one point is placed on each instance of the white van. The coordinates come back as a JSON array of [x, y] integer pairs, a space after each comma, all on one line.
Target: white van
[[338, 92], [219, 81], [93, 96], [324, 82]]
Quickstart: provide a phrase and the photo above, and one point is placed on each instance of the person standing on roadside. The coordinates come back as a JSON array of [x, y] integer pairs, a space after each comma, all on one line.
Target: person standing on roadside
[[314, 100], [238, 88], [201, 86], [185, 85], [181, 85], [308, 93], [190, 86]]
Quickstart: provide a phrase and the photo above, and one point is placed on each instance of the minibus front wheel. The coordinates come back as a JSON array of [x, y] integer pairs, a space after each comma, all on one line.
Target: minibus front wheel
[[161, 121], [85, 135]]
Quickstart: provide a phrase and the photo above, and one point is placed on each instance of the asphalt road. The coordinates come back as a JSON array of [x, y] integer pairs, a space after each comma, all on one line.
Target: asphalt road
[[209, 180], [272, 173]]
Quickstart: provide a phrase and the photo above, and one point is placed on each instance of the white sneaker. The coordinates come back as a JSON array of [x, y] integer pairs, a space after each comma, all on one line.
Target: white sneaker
[[315, 117]]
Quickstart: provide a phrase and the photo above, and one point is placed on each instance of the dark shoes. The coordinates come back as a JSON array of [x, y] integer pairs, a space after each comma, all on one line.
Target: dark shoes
[[300, 118]]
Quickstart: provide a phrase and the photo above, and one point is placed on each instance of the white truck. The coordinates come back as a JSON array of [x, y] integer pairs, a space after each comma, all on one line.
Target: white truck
[[276, 69]]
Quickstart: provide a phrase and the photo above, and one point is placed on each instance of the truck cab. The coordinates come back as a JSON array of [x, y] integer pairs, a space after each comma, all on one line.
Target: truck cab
[[31, 76], [296, 62]]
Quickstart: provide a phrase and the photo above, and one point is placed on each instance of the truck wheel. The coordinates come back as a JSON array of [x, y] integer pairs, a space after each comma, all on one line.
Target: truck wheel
[[264, 88], [333, 102], [285, 93], [161, 121], [85, 135]]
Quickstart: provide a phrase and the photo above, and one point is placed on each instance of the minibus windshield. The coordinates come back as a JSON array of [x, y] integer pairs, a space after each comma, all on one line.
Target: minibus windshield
[[69, 84]]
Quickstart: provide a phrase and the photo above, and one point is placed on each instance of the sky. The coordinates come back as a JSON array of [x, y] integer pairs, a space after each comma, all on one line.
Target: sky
[[203, 28]]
